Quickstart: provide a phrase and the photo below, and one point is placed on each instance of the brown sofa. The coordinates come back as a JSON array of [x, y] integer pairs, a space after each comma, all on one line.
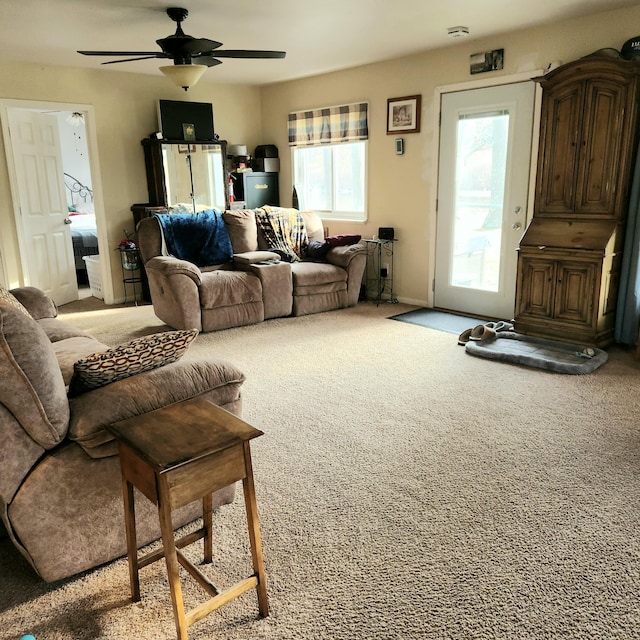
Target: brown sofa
[[60, 486], [255, 285]]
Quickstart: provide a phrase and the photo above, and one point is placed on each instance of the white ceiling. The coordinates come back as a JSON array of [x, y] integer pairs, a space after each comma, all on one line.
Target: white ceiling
[[318, 36]]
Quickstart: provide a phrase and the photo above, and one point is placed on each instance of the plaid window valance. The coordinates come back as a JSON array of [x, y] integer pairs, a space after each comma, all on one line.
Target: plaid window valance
[[344, 123]]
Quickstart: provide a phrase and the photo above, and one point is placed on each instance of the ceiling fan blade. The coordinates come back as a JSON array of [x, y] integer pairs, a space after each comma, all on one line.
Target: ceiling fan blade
[[209, 61], [247, 53], [134, 59], [201, 46], [119, 53]]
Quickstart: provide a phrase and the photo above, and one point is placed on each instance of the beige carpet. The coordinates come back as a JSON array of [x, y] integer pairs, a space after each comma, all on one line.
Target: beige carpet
[[406, 490]]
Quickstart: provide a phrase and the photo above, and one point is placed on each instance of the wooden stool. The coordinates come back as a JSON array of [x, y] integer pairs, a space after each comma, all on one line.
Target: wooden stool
[[175, 455]]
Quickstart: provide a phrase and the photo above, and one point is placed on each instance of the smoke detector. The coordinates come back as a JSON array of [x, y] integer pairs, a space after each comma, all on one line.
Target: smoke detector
[[458, 32]]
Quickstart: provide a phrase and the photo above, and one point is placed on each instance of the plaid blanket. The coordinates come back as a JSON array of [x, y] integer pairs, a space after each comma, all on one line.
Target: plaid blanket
[[284, 231]]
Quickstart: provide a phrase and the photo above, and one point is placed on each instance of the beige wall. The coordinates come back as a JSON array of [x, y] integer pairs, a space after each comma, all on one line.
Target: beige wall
[[124, 107], [402, 189]]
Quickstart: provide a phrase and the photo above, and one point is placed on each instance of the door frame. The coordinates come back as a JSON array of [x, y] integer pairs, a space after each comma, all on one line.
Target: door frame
[[466, 86], [96, 183]]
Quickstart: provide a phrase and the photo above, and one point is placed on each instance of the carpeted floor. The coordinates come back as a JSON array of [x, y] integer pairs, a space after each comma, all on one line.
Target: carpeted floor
[[440, 320], [406, 491]]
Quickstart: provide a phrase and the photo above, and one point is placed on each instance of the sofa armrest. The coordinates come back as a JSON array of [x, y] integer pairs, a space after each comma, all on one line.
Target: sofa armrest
[[175, 291], [170, 266], [352, 258], [342, 256], [36, 302], [216, 380], [253, 257]]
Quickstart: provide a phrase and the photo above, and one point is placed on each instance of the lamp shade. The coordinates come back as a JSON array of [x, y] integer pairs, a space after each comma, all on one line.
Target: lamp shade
[[184, 75]]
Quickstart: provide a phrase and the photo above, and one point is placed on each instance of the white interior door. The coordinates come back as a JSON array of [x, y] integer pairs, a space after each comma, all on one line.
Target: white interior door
[[43, 221], [484, 170]]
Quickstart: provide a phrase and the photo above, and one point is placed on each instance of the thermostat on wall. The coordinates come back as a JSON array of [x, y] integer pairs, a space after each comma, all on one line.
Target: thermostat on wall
[[399, 146]]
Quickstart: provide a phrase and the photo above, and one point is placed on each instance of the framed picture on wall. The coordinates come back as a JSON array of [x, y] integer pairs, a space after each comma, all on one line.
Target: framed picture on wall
[[403, 114]]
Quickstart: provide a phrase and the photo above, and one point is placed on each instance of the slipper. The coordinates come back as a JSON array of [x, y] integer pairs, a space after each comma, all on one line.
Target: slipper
[[463, 338], [503, 325], [482, 332]]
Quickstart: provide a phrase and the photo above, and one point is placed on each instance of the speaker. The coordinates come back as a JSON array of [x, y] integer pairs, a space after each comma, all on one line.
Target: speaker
[[386, 233]]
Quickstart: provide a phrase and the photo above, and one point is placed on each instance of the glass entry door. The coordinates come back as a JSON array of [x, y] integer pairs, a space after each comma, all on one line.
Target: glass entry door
[[484, 168]]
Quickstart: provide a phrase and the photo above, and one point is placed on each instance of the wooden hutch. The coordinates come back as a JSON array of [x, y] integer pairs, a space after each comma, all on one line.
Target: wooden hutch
[[570, 255]]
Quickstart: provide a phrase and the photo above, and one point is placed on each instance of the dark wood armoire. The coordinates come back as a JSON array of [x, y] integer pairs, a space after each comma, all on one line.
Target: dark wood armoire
[[570, 255]]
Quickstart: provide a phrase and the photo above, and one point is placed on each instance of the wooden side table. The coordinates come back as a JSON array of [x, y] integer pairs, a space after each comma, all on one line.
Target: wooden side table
[[176, 455]]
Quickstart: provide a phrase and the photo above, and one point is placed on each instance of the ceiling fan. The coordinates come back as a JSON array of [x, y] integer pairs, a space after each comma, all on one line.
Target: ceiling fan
[[191, 56]]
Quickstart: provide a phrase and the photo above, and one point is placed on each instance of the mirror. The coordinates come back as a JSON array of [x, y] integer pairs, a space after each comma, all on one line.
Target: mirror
[[194, 175]]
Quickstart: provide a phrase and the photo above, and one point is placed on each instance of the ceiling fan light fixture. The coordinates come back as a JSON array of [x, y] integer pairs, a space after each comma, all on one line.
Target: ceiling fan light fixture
[[184, 75]]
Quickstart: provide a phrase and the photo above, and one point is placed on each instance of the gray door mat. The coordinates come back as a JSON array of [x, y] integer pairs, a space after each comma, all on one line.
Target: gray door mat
[[561, 357], [439, 320]]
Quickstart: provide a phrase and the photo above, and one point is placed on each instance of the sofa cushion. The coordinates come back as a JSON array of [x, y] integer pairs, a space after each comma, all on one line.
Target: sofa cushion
[[7, 298], [128, 359], [32, 387], [229, 288], [57, 330], [72, 349], [242, 228], [37, 302], [92, 412], [314, 274]]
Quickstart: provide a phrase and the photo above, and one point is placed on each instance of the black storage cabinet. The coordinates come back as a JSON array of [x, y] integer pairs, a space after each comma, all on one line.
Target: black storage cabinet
[[256, 188]]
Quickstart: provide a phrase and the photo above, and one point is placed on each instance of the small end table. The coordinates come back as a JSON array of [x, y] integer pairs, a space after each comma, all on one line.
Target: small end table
[[131, 263], [175, 455], [376, 274]]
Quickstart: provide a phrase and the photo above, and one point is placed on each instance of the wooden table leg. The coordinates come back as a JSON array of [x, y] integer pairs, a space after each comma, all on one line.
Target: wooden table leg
[[171, 558], [207, 521], [132, 545], [253, 525]]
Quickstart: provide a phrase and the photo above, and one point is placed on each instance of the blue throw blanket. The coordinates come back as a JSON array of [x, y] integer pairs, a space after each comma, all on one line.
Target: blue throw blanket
[[201, 238]]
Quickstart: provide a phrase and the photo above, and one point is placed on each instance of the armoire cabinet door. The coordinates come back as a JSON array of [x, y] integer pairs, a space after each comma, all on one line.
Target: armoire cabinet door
[[559, 147], [576, 289], [536, 286], [600, 147]]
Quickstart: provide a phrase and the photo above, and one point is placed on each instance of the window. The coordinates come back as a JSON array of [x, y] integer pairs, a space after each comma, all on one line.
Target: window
[[329, 160], [331, 179]]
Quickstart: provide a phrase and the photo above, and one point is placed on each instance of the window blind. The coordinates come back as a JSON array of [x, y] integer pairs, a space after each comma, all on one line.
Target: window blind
[[343, 123]]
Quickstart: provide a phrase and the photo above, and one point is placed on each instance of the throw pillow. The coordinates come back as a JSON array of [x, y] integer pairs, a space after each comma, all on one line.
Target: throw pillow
[[343, 240], [317, 250], [6, 297], [128, 359]]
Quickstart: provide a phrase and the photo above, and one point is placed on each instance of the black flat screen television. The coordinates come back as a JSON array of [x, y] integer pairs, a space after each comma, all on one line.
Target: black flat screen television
[[180, 120]]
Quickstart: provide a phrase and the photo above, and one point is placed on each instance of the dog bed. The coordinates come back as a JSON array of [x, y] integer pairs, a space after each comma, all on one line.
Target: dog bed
[[561, 357]]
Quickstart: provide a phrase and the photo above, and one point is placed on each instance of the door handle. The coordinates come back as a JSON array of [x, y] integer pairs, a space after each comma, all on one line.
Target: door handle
[[67, 220]]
